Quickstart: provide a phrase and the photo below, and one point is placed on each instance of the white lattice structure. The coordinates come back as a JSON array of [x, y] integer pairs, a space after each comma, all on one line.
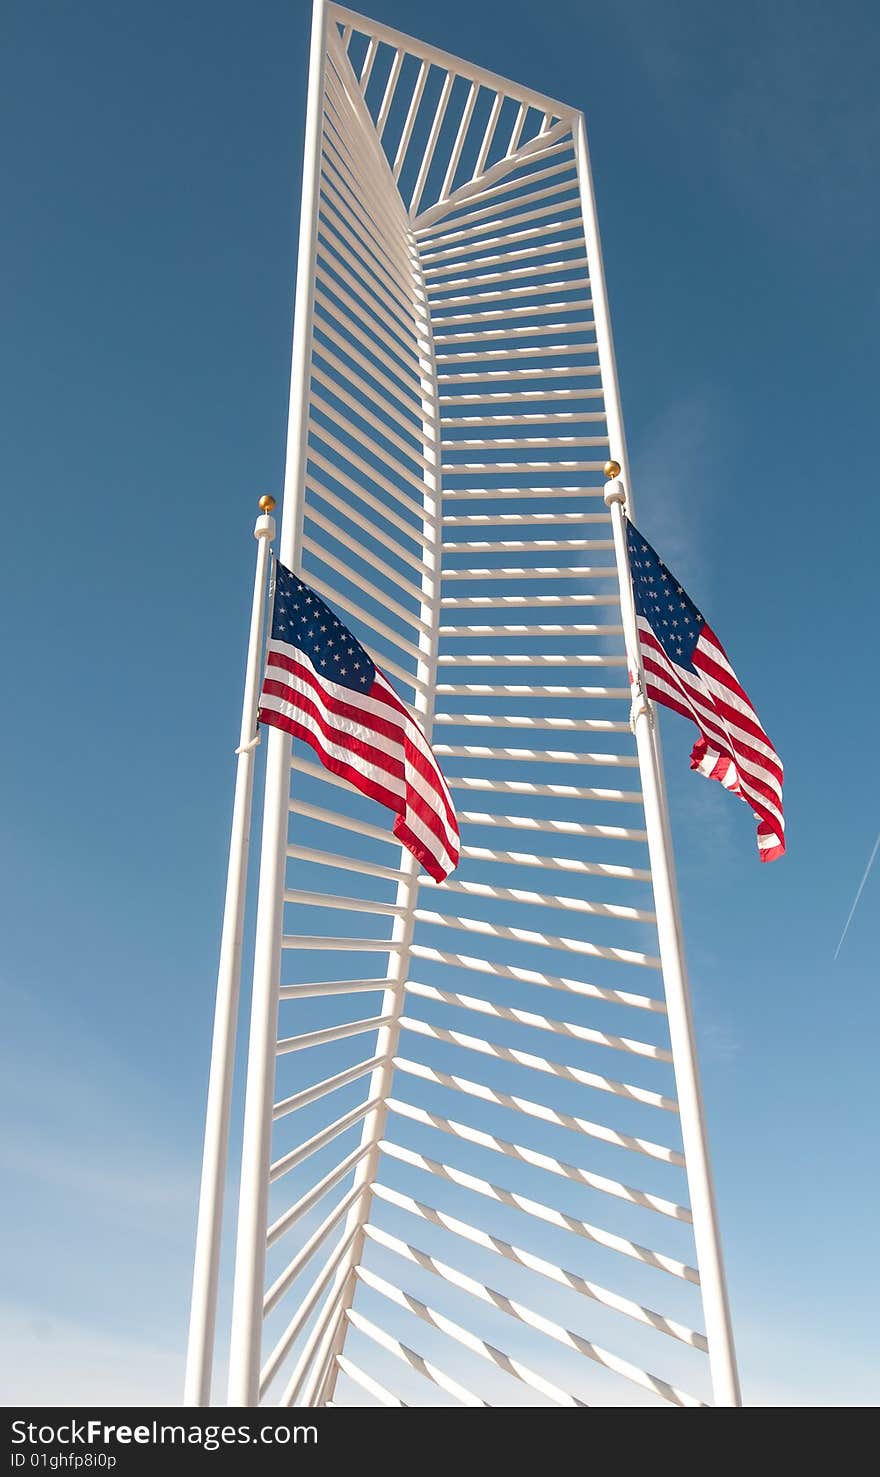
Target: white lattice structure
[[464, 1177]]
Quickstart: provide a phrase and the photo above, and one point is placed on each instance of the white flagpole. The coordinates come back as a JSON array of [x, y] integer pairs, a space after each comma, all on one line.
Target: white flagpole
[[716, 1310], [203, 1309], [253, 1200]]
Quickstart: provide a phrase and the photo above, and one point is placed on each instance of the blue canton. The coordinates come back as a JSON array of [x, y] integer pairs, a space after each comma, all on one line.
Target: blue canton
[[662, 602], [300, 618]]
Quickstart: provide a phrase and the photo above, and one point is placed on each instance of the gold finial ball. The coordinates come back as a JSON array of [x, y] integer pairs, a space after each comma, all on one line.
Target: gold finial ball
[[611, 470], [266, 503]]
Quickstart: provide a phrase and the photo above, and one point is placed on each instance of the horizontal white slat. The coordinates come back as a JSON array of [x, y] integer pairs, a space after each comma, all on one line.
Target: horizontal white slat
[[535, 1157], [522, 720], [542, 572], [319, 1140], [338, 1032], [304, 1310], [545, 900], [532, 756], [552, 827], [497, 298], [481, 1006], [571, 628], [468, 1340], [529, 787], [555, 863], [310, 1199], [497, 249], [537, 1063], [315, 487], [535, 1208], [345, 863], [542, 1266], [345, 904], [541, 247], [293, 1269], [529, 659], [543, 269], [359, 551], [308, 1095], [555, 206], [343, 822], [671, 1393], [330, 593], [366, 1382], [415, 1361], [542, 940], [532, 418], [532, 546], [505, 313], [537, 977], [338, 945], [519, 689]]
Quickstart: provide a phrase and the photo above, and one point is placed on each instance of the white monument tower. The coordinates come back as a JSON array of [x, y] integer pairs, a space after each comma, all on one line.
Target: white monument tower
[[475, 1167]]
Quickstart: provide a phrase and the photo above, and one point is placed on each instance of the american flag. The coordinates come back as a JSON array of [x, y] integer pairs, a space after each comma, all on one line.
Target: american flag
[[686, 669], [321, 686]]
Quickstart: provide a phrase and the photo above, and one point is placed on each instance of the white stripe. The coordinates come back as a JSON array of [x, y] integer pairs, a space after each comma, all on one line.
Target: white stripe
[[747, 773], [442, 844], [336, 751], [432, 842], [700, 683], [397, 715], [709, 727], [698, 689]]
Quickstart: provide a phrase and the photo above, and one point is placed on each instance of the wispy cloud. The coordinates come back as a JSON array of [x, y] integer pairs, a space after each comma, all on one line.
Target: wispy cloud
[[675, 459], [861, 887], [786, 92], [54, 1361]]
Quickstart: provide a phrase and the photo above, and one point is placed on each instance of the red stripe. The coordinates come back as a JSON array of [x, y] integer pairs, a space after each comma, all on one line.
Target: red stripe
[[397, 732], [748, 721], [355, 777], [321, 707], [763, 799], [414, 844], [732, 757], [382, 760], [709, 715], [344, 709], [366, 786]]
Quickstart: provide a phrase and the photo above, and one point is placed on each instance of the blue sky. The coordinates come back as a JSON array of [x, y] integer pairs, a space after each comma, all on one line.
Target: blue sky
[[151, 183]]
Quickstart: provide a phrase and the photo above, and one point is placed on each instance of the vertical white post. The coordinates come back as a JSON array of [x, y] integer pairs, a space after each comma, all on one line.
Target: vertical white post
[[318, 1387], [250, 1257], [203, 1309], [719, 1333]]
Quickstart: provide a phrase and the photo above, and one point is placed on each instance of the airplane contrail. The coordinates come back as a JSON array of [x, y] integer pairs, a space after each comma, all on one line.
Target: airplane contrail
[[858, 895]]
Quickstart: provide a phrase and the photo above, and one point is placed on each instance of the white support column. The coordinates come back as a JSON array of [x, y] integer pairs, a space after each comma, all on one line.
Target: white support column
[[203, 1309], [250, 1263], [722, 1357], [320, 1386], [719, 1332], [599, 294]]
